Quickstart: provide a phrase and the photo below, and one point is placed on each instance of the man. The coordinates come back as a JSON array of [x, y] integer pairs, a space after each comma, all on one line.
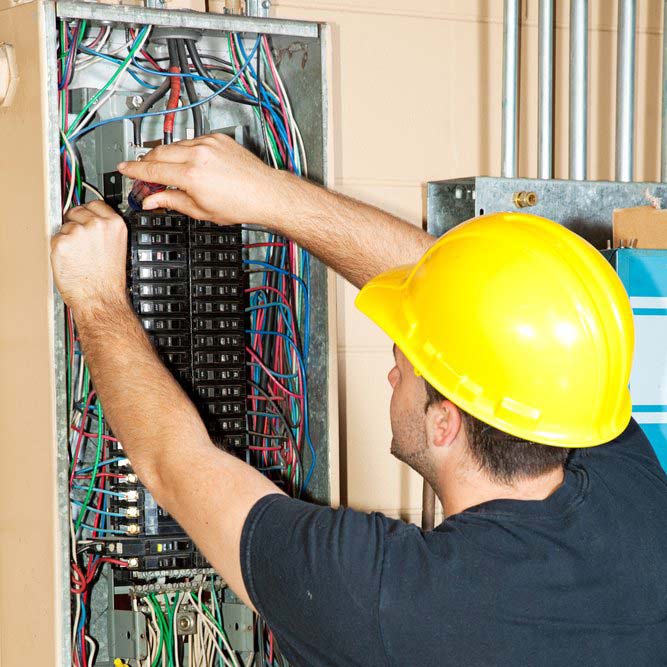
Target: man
[[521, 340]]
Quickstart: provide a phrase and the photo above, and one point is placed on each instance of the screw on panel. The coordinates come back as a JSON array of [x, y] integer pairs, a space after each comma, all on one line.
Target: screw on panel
[[523, 199], [134, 101]]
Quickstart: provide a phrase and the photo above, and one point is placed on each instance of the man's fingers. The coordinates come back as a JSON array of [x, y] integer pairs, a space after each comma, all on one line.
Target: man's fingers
[[156, 172], [68, 227], [174, 200], [177, 153], [99, 208], [80, 214]]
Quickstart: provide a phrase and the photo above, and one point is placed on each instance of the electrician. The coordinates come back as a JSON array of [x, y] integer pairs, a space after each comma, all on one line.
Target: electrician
[[513, 351]]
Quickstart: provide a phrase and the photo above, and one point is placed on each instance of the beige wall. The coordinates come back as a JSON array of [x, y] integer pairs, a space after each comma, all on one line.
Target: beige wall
[[416, 96]]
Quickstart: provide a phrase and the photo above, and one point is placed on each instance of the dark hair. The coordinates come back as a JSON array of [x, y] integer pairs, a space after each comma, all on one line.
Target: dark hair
[[505, 457]]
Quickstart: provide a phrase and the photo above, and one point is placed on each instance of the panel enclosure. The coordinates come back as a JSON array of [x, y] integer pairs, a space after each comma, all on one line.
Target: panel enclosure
[[586, 207], [301, 54]]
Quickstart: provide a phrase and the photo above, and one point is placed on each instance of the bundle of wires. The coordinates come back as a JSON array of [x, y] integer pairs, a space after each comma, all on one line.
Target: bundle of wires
[[207, 642], [90, 470], [278, 297]]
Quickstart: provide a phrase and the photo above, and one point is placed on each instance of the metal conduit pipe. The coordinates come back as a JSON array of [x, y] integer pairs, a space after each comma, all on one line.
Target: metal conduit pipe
[[625, 90], [510, 122], [545, 102], [663, 151], [578, 89]]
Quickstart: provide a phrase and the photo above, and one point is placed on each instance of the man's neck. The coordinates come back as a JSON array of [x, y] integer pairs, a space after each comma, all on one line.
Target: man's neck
[[468, 486]]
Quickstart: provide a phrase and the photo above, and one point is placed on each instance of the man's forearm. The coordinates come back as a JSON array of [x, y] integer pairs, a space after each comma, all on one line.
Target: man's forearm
[[356, 240], [135, 389]]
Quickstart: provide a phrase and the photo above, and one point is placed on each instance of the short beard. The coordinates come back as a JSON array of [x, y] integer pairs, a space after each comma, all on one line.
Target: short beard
[[418, 459]]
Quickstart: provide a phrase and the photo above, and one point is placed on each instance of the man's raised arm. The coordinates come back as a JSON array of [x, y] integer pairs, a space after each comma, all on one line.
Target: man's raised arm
[[218, 180], [208, 491]]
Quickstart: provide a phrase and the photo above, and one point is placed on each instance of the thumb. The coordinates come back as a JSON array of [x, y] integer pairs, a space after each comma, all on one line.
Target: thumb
[[174, 200]]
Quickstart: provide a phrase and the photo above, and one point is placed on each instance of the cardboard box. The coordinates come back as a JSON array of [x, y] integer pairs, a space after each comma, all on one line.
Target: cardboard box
[[640, 227]]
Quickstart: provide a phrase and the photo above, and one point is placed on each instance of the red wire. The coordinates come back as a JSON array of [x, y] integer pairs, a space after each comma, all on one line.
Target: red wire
[[109, 438], [271, 375], [80, 438], [174, 96], [101, 474]]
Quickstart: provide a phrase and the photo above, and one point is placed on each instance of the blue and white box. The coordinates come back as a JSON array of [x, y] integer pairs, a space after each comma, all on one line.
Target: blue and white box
[[644, 274]]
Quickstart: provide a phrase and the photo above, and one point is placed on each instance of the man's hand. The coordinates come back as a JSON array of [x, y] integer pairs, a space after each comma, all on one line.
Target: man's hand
[[88, 256], [217, 180]]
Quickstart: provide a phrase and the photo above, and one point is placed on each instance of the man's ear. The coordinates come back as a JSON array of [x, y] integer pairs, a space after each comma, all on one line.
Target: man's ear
[[443, 422]]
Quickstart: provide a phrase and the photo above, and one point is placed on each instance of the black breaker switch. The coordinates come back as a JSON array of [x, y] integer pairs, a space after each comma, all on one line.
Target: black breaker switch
[[187, 286]]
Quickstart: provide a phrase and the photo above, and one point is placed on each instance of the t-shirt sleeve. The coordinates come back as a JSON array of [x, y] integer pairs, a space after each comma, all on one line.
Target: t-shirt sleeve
[[314, 575], [632, 446]]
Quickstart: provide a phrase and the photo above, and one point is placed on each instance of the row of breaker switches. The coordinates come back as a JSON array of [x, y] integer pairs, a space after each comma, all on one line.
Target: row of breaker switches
[[187, 285]]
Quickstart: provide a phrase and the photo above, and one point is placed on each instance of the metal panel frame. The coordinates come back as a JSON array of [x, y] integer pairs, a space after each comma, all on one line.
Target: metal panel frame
[[586, 207], [185, 19], [326, 487]]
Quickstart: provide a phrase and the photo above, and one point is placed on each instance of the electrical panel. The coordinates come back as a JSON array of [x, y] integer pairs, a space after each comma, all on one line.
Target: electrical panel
[[239, 316]]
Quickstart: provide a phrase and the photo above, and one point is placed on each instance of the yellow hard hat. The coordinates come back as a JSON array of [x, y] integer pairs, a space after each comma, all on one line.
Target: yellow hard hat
[[518, 321]]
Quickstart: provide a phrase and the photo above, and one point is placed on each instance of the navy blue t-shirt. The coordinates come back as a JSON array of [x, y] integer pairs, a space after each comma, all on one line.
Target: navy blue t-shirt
[[577, 579]]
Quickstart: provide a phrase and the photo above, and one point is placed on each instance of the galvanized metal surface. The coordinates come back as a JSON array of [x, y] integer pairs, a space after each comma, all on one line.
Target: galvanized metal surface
[[239, 622], [128, 635], [625, 90], [184, 19], [258, 8], [578, 89], [586, 207], [545, 99], [510, 110]]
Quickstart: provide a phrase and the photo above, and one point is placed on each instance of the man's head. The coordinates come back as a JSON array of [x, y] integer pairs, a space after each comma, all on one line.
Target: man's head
[[434, 436], [517, 321]]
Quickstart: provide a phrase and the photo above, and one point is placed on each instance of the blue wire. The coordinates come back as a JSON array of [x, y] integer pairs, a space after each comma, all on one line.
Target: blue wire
[[102, 463], [117, 61], [68, 62], [287, 376], [94, 509], [104, 491], [204, 100], [104, 530]]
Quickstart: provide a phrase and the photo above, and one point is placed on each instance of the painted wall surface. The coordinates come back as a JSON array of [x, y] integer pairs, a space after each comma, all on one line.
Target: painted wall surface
[[416, 97]]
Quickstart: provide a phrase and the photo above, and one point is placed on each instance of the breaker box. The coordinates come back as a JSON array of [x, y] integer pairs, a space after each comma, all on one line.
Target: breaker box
[[200, 292]]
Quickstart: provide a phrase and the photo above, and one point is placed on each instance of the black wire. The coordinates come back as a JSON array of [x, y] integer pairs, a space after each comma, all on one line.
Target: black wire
[[173, 64], [150, 101], [197, 63], [283, 419], [190, 88]]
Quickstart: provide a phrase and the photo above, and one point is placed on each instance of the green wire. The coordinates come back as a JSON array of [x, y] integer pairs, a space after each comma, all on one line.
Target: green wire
[[218, 613], [170, 633], [158, 614], [93, 476], [116, 74]]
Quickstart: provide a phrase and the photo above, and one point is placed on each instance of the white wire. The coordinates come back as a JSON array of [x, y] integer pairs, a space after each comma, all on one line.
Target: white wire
[[210, 628], [158, 633], [90, 188], [114, 87], [72, 176], [179, 599], [90, 59], [93, 650]]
